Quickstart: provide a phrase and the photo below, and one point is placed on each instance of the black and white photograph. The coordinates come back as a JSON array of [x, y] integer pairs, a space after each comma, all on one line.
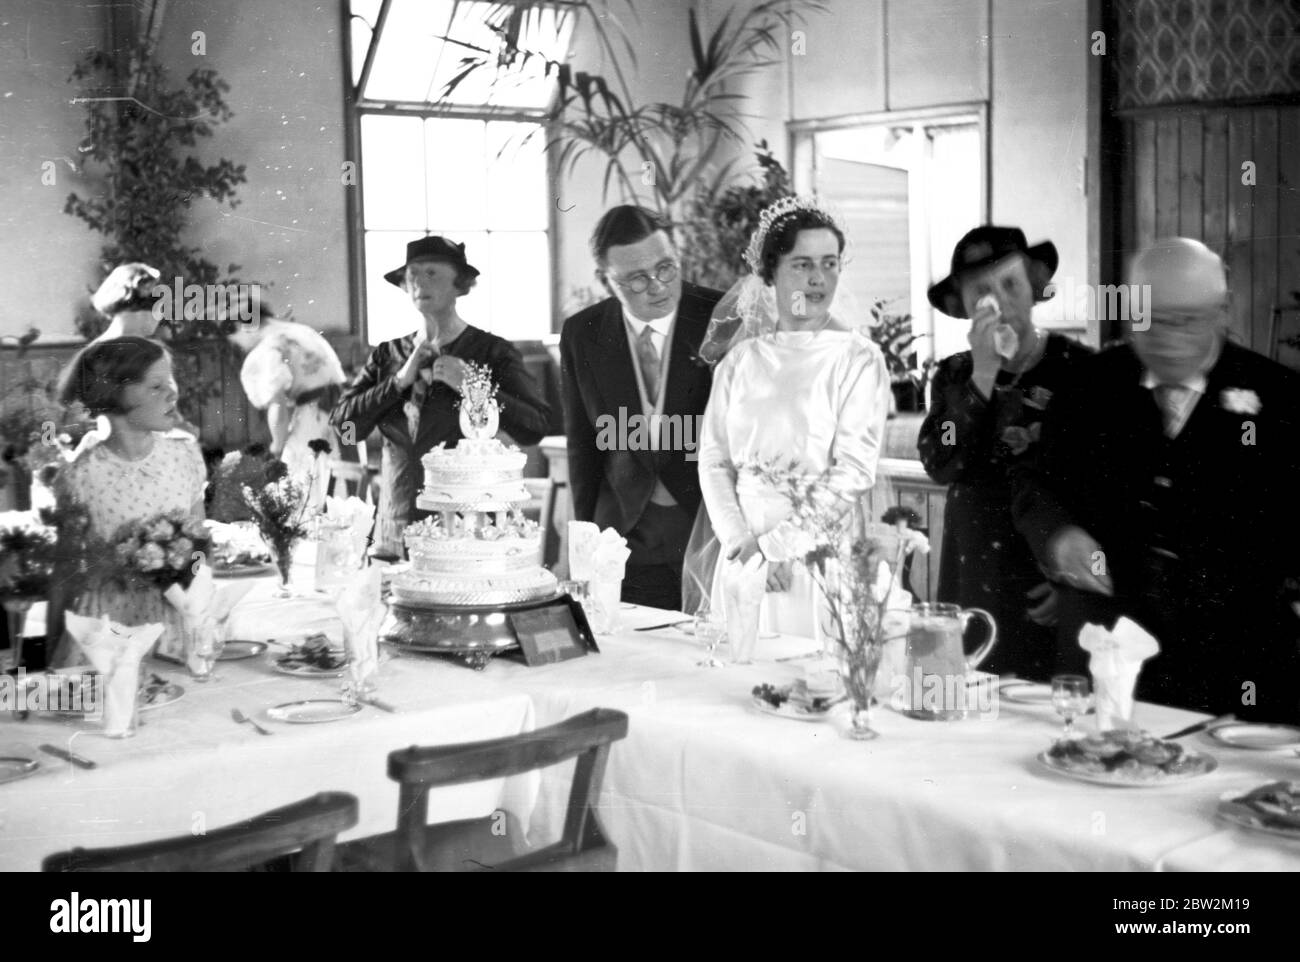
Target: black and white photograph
[[758, 436]]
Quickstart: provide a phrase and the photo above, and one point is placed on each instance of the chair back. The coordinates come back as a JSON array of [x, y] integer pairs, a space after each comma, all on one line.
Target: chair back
[[308, 828], [586, 737]]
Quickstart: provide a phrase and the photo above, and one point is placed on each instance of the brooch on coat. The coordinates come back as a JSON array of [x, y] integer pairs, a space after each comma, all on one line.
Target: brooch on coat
[[1240, 400], [1038, 397]]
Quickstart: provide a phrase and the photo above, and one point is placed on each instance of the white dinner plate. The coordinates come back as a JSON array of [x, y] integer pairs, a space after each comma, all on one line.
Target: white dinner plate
[[1119, 781], [1259, 738], [1246, 817], [14, 767], [313, 711], [239, 650], [1023, 692]]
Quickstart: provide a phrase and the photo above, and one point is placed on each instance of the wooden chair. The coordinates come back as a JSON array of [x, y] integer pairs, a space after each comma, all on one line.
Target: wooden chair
[[356, 476], [472, 845], [307, 828]]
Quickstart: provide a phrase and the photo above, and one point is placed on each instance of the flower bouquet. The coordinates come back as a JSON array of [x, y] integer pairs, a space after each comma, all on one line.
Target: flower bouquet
[[857, 568], [166, 549], [279, 507]]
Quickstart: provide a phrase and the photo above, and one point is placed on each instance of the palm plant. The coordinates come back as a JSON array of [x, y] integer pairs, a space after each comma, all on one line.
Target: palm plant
[[656, 153]]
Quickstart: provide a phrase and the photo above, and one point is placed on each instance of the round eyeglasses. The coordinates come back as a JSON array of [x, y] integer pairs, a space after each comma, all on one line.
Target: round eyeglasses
[[665, 273]]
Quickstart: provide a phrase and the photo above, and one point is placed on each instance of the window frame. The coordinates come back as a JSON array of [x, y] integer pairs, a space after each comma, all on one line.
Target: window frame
[[355, 106], [801, 142]]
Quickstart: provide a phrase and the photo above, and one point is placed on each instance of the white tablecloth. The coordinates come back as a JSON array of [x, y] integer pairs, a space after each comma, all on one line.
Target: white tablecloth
[[703, 781], [190, 766]]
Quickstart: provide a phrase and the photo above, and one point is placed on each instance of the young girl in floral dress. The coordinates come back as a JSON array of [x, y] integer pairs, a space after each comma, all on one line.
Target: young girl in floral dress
[[143, 468]]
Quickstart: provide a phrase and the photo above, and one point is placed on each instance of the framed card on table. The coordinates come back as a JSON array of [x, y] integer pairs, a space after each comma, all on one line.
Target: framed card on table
[[556, 631]]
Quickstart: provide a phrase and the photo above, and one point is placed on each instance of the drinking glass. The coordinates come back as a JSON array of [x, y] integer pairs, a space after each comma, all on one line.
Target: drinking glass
[[712, 630], [205, 647], [1070, 699]]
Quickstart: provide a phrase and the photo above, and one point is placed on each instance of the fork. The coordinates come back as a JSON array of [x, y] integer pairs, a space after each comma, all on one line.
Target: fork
[[241, 718]]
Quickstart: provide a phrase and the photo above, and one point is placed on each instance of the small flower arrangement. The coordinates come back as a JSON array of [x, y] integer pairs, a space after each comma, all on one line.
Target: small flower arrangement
[[27, 554], [857, 567], [279, 506], [479, 409], [165, 548]]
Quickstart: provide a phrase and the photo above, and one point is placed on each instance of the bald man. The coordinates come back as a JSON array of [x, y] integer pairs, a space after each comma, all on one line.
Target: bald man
[[1165, 489]]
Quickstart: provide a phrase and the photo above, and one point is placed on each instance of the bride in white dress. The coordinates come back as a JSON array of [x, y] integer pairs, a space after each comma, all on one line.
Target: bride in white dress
[[799, 384]]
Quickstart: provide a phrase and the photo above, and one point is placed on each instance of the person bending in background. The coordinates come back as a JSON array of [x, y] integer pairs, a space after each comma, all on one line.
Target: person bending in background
[[1166, 491]]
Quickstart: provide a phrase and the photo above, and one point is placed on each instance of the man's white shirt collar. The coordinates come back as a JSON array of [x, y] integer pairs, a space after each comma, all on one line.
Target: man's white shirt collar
[[660, 326], [1195, 382]]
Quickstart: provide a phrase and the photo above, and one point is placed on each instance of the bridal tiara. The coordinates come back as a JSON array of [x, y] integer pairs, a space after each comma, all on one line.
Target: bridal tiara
[[769, 217]]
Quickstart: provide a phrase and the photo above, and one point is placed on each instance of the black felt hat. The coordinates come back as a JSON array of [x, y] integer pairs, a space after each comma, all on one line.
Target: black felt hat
[[979, 248], [437, 247]]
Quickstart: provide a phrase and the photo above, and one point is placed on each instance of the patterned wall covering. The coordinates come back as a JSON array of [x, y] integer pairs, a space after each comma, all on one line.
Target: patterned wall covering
[[1189, 51]]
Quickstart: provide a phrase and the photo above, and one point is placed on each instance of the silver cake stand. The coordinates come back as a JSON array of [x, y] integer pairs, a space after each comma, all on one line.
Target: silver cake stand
[[473, 635]]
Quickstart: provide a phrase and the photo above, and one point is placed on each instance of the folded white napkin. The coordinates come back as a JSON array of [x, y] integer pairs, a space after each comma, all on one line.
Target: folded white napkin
[[609, 556], [115, 652], [1115, 663], [362, 613]]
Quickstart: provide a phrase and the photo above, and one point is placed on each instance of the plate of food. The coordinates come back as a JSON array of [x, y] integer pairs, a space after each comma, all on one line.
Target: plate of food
[[238, 650], [793, 701], [314, 658], [14, 767], [243, 569], [313, 711], [1257, 738], [157, 691], [1126, 759], [1273, 808]]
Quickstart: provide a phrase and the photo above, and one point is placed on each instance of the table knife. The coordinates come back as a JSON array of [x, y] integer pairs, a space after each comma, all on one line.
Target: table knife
[[79, 760], [667, 624], [383, 705], [1201, 726]]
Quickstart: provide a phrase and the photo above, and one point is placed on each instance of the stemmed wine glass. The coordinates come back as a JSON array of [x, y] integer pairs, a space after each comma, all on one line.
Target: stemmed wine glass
[[711, 630], [1070, 697]]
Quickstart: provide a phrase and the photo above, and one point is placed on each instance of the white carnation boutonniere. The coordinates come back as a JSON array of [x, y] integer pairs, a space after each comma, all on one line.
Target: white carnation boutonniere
[[1240, 400]]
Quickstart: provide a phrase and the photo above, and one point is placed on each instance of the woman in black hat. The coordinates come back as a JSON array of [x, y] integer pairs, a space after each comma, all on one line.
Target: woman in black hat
[[986, 412], [410, 386]]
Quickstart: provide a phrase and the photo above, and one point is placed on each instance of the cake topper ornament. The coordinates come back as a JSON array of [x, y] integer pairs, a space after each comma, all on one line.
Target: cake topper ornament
[[479, 412]]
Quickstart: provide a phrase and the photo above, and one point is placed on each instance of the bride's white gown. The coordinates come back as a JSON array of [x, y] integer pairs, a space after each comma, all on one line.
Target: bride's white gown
[[818, 398]]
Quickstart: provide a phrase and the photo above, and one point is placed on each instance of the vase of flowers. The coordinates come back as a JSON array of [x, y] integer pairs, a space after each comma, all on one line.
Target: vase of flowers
[[857, 568], [279, 507], [27, 545]]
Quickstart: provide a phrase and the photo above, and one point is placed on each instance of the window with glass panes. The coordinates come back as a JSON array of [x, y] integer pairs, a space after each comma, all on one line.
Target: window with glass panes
[[472, 170]]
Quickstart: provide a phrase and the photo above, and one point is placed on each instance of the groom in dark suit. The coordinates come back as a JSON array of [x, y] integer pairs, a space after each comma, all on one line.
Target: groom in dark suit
[[1166, 491], [633, 382]]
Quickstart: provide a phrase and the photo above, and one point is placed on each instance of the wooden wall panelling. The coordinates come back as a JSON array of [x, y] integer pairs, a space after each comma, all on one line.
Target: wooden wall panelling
[[1288, 209], [1191, 174], [1241, 222], [1265, 235], [1214, 214], [1142, 189], [1168, 142]]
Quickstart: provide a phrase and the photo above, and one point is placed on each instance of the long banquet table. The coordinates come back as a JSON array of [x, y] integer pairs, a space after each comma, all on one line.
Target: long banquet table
[[702, 781]]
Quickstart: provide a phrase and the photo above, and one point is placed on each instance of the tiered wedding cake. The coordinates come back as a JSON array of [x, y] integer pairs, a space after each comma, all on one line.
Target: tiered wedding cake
[[478, 550]]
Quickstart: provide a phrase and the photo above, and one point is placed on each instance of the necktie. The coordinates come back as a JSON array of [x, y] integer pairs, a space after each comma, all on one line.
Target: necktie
[[1171, 399], [648, 359]]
